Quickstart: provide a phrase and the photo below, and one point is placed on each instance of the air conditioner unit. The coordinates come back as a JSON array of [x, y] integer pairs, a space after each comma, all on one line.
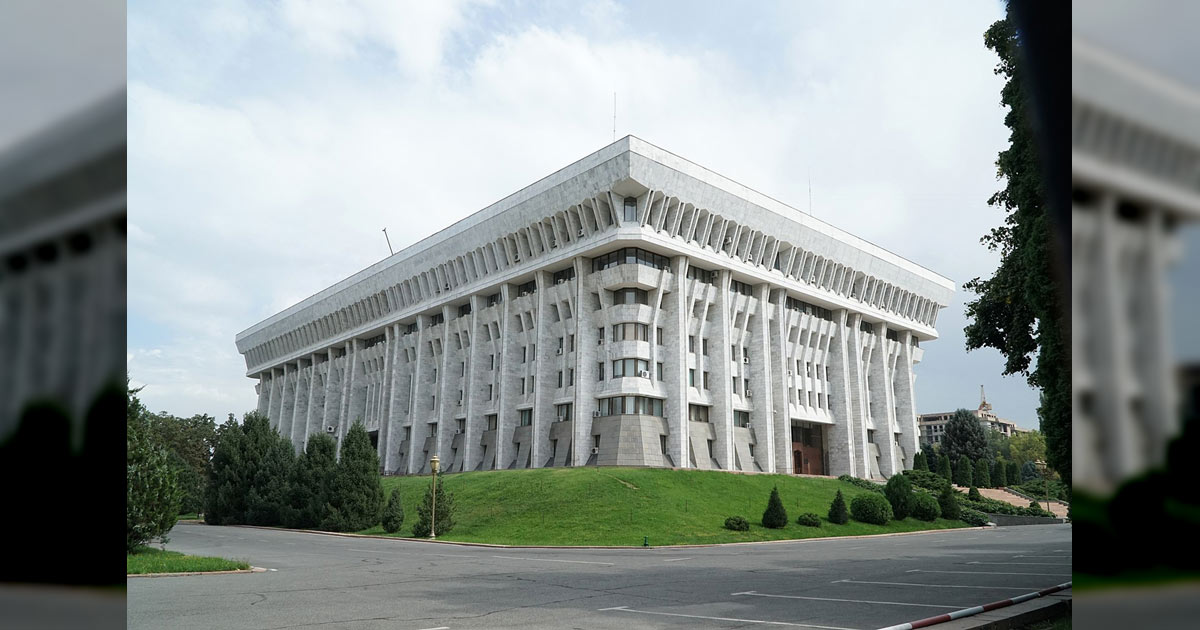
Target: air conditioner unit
[[457, 431], [595, 414], [560, 281], [460, 403], [749, 394], [580, 233], [595, 450], [330, 429], [746, 360], [562, 418], [644, 374], [559, 351], [447, 286], [600, 342], [789, 372]]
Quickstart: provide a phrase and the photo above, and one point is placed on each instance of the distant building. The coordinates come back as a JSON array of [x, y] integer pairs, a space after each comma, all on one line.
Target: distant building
[[932, 426]]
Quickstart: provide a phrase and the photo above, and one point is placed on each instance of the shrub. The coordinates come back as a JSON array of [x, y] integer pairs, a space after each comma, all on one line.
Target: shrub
[[973, 517], [944, 467], [1029, 472], [808, 519], [862, 483], [948, 502], [737, 524], [925, 507], [837, 510], [963, 472], [973, 494], [925, 479], [152, 495], [774, 517], [982, 476], [899, 494], [871, 508], [1034, 504], [1000, 475], [393, 514], [356, 499], [445, 511], [919, 462]]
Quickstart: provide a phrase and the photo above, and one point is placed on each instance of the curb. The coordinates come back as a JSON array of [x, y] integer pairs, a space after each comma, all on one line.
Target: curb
[[620, 547], [186, 573]]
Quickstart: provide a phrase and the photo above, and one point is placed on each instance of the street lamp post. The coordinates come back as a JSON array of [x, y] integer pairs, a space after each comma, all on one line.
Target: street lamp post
[[433, 464]]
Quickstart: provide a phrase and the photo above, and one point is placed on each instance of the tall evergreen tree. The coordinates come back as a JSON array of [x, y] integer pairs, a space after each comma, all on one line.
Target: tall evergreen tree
[[444, 515], [838, 513], [1013, 473], [983, 478], [965, 436], [228, 479], [944, 466], [312, 481], [1000, 474], [356, 501], [270, 458], [152, 495], [948, 501], [964, 473], [774, 517], [919, 461], [899, 493], [1018, 309]]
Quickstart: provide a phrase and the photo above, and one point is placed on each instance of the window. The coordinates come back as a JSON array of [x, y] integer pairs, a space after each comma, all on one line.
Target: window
[[808, 369], [571, 377], [412, 328], [630, 296], [599, 371], [630, 256], [691, 378], [704, 347], [522, 385], [630, 209], [491, 421], [433, 402], [705, 379], [571, 343], [662, 442], [461, 425], [564, 275], [630, 367], [491, 361], [810, 309], [631, 332], [489, 392], [494, 299], [867, 327], [601, 335], [464, 310], [526, 417], [619, 405], [562, 344], [560, 379], [692, 343], [701, 275], [821, 400], [562, 412], [746, 386], [524, 354], [735, 385], [434, 375], [893, 335], [658, 336], [698, 413], [659, 371], [740, 287], [527, 288], [440, 318], [741, 418]]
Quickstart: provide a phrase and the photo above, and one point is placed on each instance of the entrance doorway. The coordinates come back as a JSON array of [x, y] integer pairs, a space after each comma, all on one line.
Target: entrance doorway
[[808, 449]]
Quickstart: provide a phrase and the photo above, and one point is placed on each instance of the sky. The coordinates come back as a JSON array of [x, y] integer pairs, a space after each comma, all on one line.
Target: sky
[[270, 143]]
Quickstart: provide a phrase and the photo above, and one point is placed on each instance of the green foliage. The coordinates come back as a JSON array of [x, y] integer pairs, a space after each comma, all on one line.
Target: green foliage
[[393, 514], [973, 517], [1013, 472], [808, 519], [1000, 475], [356, 498], [152, 495], [963, 473], [899, 494], [965, 436], [862, 483], [248, 478], [1028, 447], [1018, 310], [973, 494], [998, 444], [143, 560], [944, 466], [312, 481], [1038, 488], [225, 495], [1029, 472], [948, 502], [190, 442], [737, 524], [837, 510], [871, 508], [774, 517], [927, 480], [919, 462], [925, 507], [444, 516], [982, 478]]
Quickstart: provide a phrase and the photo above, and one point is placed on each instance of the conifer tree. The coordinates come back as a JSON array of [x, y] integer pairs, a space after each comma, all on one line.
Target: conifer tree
[[948, 501], [393, 514], [982, 477], [899, 493], [837, 510], [775, 517], [445, 511], [964, 476], [356, 500], [944, 466]]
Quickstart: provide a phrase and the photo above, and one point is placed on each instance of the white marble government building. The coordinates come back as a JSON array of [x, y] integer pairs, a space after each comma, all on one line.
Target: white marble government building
[[632, 309]]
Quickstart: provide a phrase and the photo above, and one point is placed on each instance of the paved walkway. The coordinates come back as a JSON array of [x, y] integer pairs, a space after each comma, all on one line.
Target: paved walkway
[[1058, 509]]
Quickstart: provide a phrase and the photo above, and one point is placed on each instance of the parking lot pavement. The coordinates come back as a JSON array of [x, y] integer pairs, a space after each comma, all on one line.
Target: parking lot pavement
[[340, 582]]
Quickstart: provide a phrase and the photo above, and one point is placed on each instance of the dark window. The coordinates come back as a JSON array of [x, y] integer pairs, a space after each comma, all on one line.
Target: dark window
[[811, 309], [526, 417], [630, 296], [630, 209], [527, 288], [701, 275], [564, 275], [740, 287], [437, 319], [464, 310], [630, 405], [494, 299], [630, 256], [867, 327]]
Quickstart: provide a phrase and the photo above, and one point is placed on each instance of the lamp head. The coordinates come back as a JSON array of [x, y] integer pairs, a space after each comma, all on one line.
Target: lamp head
[[433, 463]]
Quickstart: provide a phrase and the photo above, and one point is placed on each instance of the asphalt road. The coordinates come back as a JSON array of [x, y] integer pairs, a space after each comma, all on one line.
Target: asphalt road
[[321, 581]]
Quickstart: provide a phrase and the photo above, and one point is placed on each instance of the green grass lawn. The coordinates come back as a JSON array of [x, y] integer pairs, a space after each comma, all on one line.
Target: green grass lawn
[[189, 517], [151, 560], [618, 506]]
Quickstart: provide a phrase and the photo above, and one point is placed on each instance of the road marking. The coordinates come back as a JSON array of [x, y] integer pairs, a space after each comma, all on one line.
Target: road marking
[[986, 572], [362, 550], [438, 628], [549, 560], [451, 555], [1041, 556], [272, 569], [772, 623], [676, 559], [1043, 564], [835, 599], [1014, 588]]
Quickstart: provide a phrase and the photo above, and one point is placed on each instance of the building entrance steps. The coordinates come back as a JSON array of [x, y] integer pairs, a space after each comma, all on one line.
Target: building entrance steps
[[999, 494]]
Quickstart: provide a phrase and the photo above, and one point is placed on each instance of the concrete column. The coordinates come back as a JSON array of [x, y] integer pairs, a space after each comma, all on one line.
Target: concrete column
[[721, 413], [309, 415], [674, 317], [880, 393], [507, 366], [779, 342], [299, 432], [546, 382], [471, 384], [1113, 378], [906, 408], [327, 409], [763, 418], [350, 411], [287, 401], [586, 357], [445, 406], [273, 400], [1160, 397], [264, 393], [417, 425], [387, 420], [857, 402]]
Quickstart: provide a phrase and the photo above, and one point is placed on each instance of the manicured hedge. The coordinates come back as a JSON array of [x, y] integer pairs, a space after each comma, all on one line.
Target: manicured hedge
[[737, 524], [808, 519], [925, 507], [871, 508]]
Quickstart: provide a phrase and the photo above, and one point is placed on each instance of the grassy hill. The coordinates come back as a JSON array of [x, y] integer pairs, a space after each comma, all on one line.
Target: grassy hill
[[618, 506]]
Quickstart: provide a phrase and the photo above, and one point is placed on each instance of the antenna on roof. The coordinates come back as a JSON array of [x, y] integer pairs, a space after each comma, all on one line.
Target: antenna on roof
[[389, 242], [614, 116]]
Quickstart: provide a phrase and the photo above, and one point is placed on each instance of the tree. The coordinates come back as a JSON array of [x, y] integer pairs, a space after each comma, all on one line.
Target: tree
[[919, 461], [899, 494], [270, 459], [965, 436], [944, 466], [998, 444], [948, 502], [1029, 472], [837, 510], [189, 441], [312, 481], [1013, 473], [774, 517], [151, 493], [1018, 310], [356, 499], [982, 475], [393, 514], [963, 474], [445, 511], [1028, 447], [228, 481], [1000, 475]]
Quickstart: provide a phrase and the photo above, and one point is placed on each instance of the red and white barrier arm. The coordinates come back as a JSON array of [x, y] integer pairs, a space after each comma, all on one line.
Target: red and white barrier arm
[[975, 610]]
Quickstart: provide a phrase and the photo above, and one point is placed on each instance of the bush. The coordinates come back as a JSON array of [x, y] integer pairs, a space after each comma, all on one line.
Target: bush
[[982, 476], [919, 462], [963, 473], [1029, 472], [737, 524], [1034, 504], [899, 494], [871, 508], [944, 468], [925, 479], [925, 507], [774, 517], [445, 511], [948, 502], [973, 517], [808, 519], [837, 510], [152, 495], [1000, 475], [973, 494], [393, 514], [862, 483], [356, 499]]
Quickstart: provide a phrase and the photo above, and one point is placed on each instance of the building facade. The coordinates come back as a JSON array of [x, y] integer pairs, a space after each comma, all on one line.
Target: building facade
[[932, 426], [1135, 155], [632, 309]]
